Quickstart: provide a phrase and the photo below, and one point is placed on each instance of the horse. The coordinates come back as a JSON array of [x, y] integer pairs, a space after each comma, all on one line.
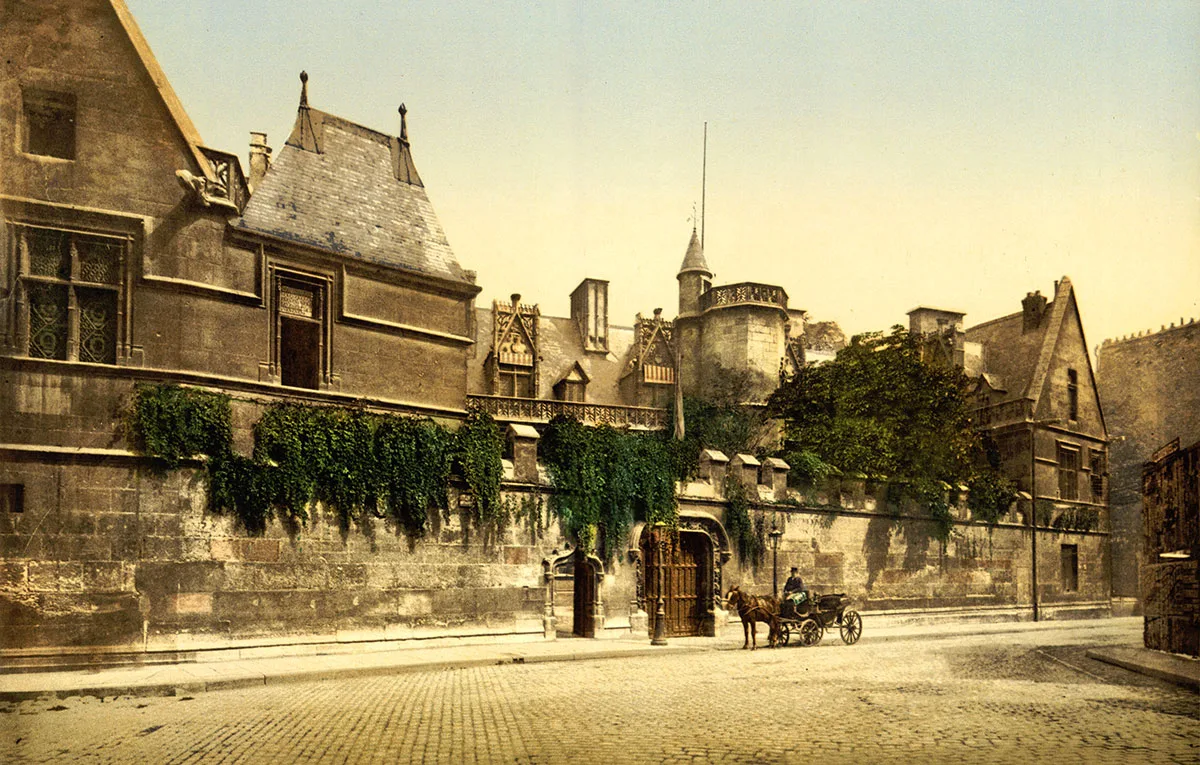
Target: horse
[[754, 609]]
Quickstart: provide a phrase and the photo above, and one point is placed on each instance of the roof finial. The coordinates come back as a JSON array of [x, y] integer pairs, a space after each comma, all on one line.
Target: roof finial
[[403, 123], [303, 89]]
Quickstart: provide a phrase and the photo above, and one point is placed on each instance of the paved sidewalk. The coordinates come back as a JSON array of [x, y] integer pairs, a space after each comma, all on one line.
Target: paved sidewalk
[[1179, 670], [191, 678]]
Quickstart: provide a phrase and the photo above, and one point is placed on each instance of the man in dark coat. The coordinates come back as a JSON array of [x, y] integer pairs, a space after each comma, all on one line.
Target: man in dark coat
[[793, 590]]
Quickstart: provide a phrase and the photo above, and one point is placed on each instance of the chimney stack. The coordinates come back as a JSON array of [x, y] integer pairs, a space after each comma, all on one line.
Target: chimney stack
[[260, 159], [1033, 308]]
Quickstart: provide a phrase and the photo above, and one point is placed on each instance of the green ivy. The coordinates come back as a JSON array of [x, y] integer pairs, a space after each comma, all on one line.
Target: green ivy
[[605, 479], [358, 464], [991, 495], [747, 535], [172, 424], [479, 450], [1078, 519]]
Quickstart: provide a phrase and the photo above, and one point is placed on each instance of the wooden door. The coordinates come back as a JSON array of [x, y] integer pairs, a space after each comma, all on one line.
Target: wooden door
[[584, 597], [677, 567]]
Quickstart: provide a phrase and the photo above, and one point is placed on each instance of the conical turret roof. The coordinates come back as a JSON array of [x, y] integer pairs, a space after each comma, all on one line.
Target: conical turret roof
[[694, 259]]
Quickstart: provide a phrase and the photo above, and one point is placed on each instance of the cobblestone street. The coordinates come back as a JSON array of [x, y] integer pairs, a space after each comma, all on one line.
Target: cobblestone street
[[1015, 697]]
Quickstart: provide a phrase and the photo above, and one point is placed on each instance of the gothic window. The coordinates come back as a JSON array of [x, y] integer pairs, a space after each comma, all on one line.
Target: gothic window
[[300, 331], [1073, 394], [514, 343], [49, 123], [1068, 472], [72, 286], [573, 385]]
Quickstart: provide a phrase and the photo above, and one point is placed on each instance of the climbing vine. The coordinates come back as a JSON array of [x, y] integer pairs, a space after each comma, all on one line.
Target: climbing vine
[[605, 479], [356, 463], [991, 495], [747, 535]]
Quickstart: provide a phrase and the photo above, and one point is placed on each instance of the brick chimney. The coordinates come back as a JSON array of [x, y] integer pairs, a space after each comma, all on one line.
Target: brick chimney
[[1033, 308], [260, 159], [589, 310]]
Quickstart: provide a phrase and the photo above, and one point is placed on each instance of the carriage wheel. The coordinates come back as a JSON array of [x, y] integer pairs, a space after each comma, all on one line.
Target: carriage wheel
[[810, 632], [785, 634], [851, 627]]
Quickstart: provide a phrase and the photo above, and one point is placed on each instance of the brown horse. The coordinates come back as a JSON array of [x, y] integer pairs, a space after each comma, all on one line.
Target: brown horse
[[754, 609]]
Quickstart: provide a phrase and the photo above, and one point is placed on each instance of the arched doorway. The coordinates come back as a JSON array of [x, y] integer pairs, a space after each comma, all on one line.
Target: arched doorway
[[575, 585], [679, 567]]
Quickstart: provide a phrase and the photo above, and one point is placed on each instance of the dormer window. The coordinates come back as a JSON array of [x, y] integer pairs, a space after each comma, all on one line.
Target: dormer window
[[573, 385], [514, 360], [49, 123]]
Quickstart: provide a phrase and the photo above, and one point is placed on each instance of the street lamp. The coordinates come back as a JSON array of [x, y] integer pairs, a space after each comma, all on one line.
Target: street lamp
[[775, 536], [660, 613]]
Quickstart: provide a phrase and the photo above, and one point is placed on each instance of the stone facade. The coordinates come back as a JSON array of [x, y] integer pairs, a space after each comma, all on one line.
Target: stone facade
[[1146, 404], [1170, 572]]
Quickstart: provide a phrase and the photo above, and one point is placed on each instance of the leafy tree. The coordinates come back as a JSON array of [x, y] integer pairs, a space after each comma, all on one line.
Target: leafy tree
[[880, 409], [719, 418]]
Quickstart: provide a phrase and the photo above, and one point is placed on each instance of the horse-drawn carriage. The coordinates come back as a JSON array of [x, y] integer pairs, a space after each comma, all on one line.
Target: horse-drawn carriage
[[811, 618], [808, 621]]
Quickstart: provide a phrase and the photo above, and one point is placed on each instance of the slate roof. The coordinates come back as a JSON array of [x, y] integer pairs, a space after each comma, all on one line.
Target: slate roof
[[559, 347], [1016, 362], [693, 260], [351, 191]]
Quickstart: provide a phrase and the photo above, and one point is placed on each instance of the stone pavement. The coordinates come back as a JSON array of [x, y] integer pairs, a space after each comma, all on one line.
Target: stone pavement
[[196, 677], [1179, 670], [1020, 696]]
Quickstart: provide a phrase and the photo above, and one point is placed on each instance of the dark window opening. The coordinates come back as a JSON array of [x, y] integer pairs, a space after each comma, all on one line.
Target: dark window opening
[[300, 353], [1073, 394], [12, 498], [300, 313], [515, 382], [1097, 476], [1068, 472], [49, 123], [1070, 568], [570, 390]]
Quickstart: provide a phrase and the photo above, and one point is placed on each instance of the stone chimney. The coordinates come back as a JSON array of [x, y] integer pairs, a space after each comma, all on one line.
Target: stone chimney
[[589, 311], [524, 441], [260, 159], [1033, 308]]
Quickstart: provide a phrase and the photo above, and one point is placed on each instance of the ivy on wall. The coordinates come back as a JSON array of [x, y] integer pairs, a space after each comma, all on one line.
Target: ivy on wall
[[356, 463], [605, 480], [746, 534]]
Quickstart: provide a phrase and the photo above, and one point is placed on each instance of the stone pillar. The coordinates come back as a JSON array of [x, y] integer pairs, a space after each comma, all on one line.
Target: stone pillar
[[713, 465], [775, 475], [523, 439], [744, 469]]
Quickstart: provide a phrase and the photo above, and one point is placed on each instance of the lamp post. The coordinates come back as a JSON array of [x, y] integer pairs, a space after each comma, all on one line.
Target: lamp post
[[660, 613], [775, 536]]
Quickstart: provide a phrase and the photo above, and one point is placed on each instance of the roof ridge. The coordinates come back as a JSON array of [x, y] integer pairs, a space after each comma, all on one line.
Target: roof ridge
[[162, 85], [1058, 311]]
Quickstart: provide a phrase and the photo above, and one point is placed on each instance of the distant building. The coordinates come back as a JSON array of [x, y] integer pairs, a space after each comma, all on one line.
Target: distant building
[[1170, 575], [1148, 384]]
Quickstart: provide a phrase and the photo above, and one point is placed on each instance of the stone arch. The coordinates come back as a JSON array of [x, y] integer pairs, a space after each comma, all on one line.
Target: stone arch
[[587, 579], [713, 546]]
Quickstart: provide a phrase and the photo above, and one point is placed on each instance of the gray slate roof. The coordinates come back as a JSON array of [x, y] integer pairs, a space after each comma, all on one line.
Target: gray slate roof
[[693, 259], [347, 198]]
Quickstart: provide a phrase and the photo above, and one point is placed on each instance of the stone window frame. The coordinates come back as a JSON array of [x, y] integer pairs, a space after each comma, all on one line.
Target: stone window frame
[[1069, 557], [1097, 468], [41, 109], [79, 289], [12, 497], [322, 285], [1067, 457]]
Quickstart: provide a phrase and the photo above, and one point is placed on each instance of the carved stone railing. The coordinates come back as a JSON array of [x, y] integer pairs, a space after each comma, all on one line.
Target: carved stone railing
[[510, 409], [746, 293], [230, 185]]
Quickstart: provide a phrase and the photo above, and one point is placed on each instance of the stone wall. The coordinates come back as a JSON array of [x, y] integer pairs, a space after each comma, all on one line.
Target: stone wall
[[1171, 606], [1147, 403], [107, 553]]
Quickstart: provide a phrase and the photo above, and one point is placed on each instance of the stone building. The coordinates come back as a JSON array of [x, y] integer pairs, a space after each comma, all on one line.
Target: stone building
[[1170, 573], [132, 253], [1034, 398], [1148, 401]]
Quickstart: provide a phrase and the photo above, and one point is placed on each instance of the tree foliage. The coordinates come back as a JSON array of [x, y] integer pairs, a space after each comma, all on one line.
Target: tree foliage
[[880, 409]]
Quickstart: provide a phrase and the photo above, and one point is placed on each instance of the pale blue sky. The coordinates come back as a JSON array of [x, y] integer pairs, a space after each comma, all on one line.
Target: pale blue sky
[[867, 157]]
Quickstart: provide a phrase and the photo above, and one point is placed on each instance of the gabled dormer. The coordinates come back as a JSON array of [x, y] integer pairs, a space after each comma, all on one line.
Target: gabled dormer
[[573, 385], [649, 375], [512, 363]]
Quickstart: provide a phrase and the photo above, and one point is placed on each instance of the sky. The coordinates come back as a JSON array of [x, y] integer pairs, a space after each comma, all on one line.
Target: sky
[[869, 158]]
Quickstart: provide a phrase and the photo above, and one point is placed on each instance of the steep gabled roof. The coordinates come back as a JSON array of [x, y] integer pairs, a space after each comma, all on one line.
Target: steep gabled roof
[[352, 191], [174, 106], [1017, 361]]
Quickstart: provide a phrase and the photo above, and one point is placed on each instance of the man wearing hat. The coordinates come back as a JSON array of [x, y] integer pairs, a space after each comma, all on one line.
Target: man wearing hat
[[793, 590]]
